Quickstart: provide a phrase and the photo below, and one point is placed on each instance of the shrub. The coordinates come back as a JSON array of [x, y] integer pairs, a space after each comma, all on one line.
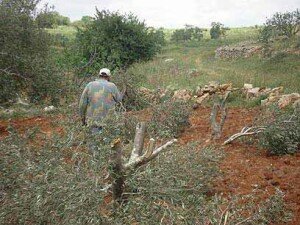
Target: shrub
[[169, 118], [116, 41], [187, 34], [281, 24], [25, 59], [282, 136], [48, 18], [217, 30]]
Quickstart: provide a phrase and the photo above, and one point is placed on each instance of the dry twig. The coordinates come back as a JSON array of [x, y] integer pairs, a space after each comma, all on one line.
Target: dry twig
[[245, 132]]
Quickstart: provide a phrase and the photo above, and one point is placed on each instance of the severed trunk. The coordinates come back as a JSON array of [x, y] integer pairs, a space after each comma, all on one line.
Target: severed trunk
[[218, 110], [117, 171], [138, 158]]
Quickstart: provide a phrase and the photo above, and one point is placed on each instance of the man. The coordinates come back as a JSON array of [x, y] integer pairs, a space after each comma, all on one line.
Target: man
[[98, 100]]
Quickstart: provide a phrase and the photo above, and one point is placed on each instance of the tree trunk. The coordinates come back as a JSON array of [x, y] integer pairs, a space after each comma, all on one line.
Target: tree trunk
[[117, 171]]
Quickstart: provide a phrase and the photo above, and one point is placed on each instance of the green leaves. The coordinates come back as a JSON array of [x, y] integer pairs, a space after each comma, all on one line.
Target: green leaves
[[117, 41]]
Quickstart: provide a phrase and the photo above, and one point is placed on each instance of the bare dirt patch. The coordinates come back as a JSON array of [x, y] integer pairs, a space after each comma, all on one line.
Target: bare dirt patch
[[245, 168]]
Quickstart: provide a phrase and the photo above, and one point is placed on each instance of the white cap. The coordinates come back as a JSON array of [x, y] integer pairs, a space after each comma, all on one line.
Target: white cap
[[105, 71]]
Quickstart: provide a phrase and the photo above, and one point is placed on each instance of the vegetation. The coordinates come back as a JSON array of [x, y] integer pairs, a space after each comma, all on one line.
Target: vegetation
[[187, 34], [281, 24], [282, 134], [52, 179], [50, 19], [116, 41], [26, 61], [169, 118], [217, 30], [57, 177]]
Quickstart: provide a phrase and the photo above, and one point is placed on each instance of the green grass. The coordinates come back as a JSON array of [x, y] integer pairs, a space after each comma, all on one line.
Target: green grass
[[199, 56], [281, 71]]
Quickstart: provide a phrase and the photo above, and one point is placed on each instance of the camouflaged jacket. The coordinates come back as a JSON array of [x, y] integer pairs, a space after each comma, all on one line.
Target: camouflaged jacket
[[97, 100]]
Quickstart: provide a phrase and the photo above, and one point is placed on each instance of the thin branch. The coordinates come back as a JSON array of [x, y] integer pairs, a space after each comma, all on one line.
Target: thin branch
[[245, 132], [143, 159]]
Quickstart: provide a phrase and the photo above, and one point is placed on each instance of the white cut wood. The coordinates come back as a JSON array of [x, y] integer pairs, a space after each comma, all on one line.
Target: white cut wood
[[143, 159], [245, 132]]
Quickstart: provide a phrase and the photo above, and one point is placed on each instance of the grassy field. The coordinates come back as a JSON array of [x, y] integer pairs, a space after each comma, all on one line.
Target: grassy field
[[194, 64]]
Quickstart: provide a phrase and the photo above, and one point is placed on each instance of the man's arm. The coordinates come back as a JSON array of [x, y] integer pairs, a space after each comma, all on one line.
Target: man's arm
[[83, 103]]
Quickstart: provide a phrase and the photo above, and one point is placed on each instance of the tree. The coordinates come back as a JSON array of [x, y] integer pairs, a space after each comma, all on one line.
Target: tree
[[25, 61], [115, 41], [287, 24], [281, 24], [49, 19], [45, 19], [217, 30], [188, 33]]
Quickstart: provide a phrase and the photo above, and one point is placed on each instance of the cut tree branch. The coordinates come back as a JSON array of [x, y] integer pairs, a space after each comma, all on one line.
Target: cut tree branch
[[137, 159], [245, 132]]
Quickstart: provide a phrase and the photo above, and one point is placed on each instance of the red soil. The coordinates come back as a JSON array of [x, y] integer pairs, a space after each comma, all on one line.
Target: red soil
[[245, 168]]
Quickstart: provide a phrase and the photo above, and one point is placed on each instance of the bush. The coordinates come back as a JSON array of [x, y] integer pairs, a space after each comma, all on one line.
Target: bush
[[25, 60], [281, 24], [217, 30], [282, 136], [169, 119], [50, 19], [187, 34], [115, 41]]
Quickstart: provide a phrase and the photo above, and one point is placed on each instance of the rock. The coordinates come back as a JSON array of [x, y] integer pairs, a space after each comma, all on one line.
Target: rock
[[248, 86], [244, 49], [149, 94], [199, 100], [225, 87], [277, 90], [182, 95], [199, 91], [286, 100], [49, 108], [252, 92]]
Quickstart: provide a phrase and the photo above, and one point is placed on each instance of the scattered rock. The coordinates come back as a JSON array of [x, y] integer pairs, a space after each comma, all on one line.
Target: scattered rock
[[242, 50], [253, 92], [289, 99], [248, 86], [183, 94], [200, 99]]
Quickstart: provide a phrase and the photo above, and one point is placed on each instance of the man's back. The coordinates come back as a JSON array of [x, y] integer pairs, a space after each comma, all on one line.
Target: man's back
[[98, 99]]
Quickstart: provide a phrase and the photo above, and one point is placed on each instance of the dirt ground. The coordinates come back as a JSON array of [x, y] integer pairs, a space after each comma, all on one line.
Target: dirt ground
[[245, 168]]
